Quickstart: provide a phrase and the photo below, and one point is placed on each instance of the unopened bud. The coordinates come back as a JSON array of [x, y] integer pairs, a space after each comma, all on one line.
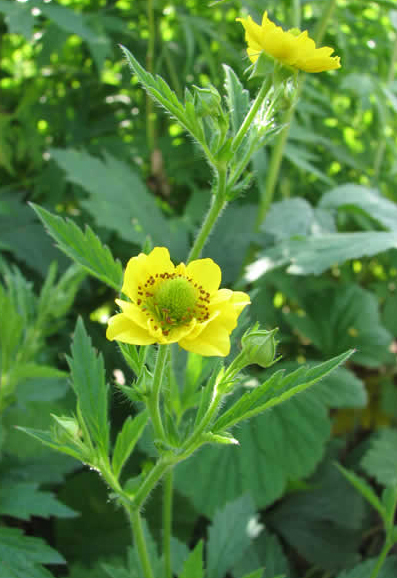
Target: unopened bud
[[259, 346]]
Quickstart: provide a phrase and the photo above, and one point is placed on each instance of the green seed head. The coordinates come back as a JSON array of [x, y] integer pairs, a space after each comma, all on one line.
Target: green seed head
[[175, 300]]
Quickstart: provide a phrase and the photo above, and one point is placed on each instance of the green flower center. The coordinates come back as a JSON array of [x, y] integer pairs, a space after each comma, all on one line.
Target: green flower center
[[169, 301], [175, 300]]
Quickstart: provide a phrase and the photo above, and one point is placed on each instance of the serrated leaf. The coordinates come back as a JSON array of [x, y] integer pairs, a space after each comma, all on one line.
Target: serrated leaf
[[228, 537], [365, 490], [127, 439], [41, 390], [364, 570], [368, 200], [324, 523], [283, 444], [88, 381], [252, 403], [25, 238], [24, 500], [343, 317], [100, 520], [380, 461], [119, 200], [342, 388], [314, 255], [48, 439], [22, 556], [158, 89], [193, 566], [265, 552], [237, 97], [83, 247], [18, 17]]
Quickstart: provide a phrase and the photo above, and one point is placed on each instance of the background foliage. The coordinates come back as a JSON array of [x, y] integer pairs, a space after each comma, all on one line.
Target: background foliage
[[79, 138]]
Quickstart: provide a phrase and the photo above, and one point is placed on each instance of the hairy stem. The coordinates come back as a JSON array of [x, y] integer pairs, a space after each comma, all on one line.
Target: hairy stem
[[382, 145], [218, 202], [150, 114], [242, 131], [139, 541], [150, 482], [167, 522], [281, 140], [382, 557], [154, 400]]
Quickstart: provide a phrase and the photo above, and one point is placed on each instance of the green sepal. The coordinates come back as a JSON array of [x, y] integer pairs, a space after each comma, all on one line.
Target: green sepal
[[263, 66], [48, 439], [223, 438]]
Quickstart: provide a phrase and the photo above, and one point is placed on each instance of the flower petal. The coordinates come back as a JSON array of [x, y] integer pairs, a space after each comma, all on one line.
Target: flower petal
[[229, 307], [288, 47], [143, 266], [206, 273], [123, 329], [133, 312], [213, 340], [212, 337]]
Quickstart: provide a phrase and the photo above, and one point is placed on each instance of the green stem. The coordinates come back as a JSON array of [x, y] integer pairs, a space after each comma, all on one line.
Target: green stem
[[382, 557], [191, 443], [167, 523], [154, 400], [382, 145], [150, 115], [150, 481], [296, 13], [273, 170], [278, 149], [139, 540], [218, 203], [242, 131], [323, 22]]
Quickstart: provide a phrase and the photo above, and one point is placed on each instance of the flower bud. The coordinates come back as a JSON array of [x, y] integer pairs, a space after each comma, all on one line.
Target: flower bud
[[259, 346]]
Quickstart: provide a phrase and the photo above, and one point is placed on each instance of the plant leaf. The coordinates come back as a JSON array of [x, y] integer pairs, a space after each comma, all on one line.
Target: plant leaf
[[381, 459], [23, 500], [127, 439], [22, 556], [83, 247], [228, 538], [193, 566], [88, 381]]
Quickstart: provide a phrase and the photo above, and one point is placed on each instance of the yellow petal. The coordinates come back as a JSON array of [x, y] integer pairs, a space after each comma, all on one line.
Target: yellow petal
[[213, 340], [206, 273], [175, 334], [298, 51], [229, 307], [133, 312], [140, 268], [123, 329], [212, 337]]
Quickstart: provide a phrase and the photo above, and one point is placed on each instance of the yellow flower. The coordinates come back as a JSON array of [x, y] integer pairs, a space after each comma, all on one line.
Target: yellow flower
[[291, 49], [180, 304]]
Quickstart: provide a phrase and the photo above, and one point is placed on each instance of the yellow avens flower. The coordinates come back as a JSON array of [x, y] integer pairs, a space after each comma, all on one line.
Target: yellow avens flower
[[176, 304], [292, 48]]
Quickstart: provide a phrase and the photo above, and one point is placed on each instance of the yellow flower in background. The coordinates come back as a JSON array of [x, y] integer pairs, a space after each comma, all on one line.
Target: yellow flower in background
[[292, 48], [181, 304]]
